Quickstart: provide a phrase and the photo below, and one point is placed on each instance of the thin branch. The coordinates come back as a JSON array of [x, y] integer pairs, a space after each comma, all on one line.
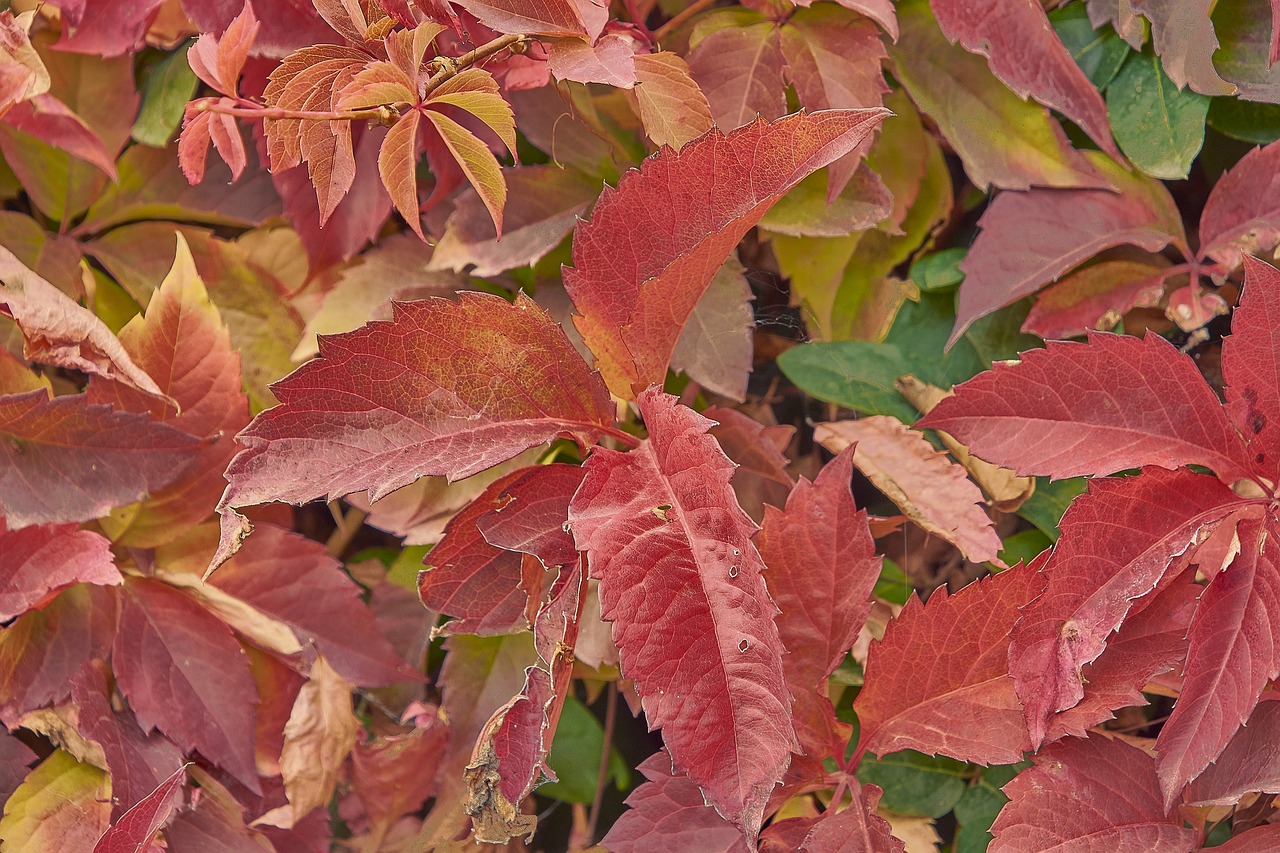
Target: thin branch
[[678, 21], [610, 716], [348, 526], [452, 66], [253, 111]]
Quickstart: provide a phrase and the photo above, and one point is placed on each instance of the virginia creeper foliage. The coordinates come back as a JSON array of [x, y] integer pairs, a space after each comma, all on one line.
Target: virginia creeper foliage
[[730, 426]]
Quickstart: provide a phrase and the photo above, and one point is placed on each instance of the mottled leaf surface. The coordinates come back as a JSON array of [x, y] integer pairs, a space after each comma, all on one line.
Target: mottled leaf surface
[[1242, 214], [36, 561]]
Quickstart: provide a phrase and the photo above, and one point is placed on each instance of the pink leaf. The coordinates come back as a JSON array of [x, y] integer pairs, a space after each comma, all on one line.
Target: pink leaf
[[857, 829], [1259, 839], [1234, 651], [681, 583], [1250, 762], [927, 486], [395, 400], [36, 561], [66, 460], [668, 813], [58, 331], [1251, 365], [566, 18], [284, 27], [48, 119], [133, 831], [611, 60], [716, 346], [1024, 52], [1117, 543], [761, 478], [218, 61], [397, 165], [1072, 408], [184, 673], [1115, 803], [822, 567], [1242, 213], [1031, 238], [1094, 297], [653, 245], [740, 69], [106, 27], [939, 681], [1185, 41]]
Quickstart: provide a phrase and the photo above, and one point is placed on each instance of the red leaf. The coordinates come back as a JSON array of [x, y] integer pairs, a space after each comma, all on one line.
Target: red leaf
[[715, 347], [214, 823], [939, 680], [1024, 52], [567, 18], [822, 567], [668, 813], [857, 829], [1115, 803], [183, 341], [1250, 762], [66, 460], [57, 331], [48, 119], [193, 143], [138, 762], [1029, 239], [1094, 297], [15, 758], [1242, 213], [133, 831], [376, 415], [293, 579], [1251, 365], [611, 60], [395, 775], [761, 477], [397, 166], [1116, 402], [681, 583], [106, 27], [740, 69], [653, 245], [530, 514], [184, 673], [284, 27], [43, 649], [1234, 651], [1117, 543], [218, 61], [36, 561]]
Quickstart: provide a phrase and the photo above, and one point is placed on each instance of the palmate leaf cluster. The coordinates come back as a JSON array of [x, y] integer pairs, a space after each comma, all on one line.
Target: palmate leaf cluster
[[828, 427]]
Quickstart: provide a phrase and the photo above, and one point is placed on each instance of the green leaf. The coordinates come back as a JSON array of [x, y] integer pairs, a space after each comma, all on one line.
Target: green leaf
[[1246, 121], [979, 806], [1024, 545], [939, 271], [575, 757], [893, 585], [1099, 53], [1158, 127], [916, 784], [170, 84], [855, 374], [1044, 509]]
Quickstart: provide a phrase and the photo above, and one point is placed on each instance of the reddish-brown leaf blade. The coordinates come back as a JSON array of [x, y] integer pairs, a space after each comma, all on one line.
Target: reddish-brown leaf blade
[[530, 514], [394, 775], [1251, 366], [215, 823], [397, 165], [740, 68], [218, 60], [1242, 214], [1116, 402], [1029, 239], [566, 18], [681, 582], [65, 460], [294, 580], [134, 830], [43, 649], [445, 388], [761, 478], [1250, 762], [822, 567], [857, 829], [1117, 543], [668, 813], [653, 245], [1094, 296], [37, 561], [1115, 803], [1024, 52], [184, 673], [1234, 651], [939, 680], [58, 331], [182, 341]]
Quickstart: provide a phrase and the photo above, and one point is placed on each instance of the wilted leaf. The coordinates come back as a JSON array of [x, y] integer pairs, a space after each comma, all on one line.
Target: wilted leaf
[[67, 460], [184, 673], [653, 245], [1094, 408], [681, 583], [1119, 805], [1094, 297], [1030, 239], [38, 561], [928, 487], [939, 681], [668, 813], [320, 733], [822, 567], [424, 407]]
